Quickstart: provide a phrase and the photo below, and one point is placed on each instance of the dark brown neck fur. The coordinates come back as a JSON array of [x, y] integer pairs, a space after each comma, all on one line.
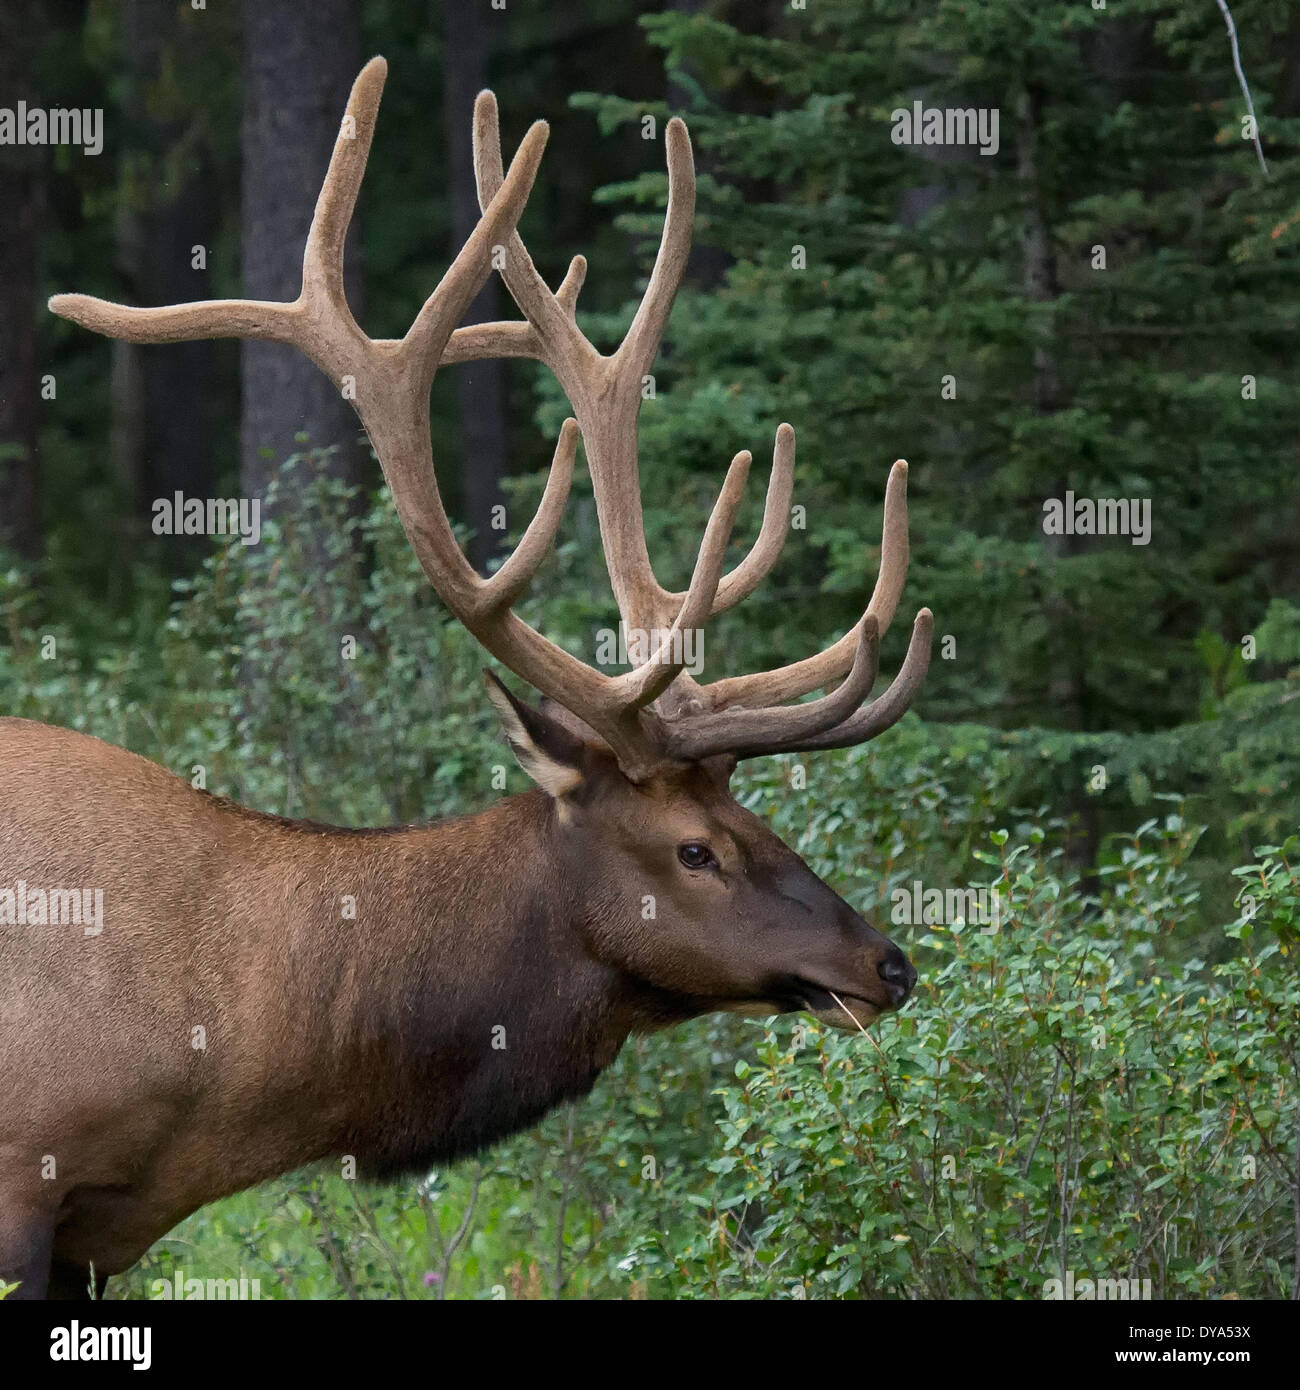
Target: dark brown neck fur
[[424, 1039]]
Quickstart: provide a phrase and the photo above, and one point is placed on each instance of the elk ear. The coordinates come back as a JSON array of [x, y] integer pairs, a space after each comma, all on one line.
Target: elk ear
[[547, 751]]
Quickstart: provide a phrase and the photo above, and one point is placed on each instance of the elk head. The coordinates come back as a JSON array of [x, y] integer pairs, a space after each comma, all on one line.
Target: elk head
[[636, 766]]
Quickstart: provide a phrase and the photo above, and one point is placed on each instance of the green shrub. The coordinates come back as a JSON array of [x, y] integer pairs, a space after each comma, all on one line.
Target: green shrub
[[1060, 1097]]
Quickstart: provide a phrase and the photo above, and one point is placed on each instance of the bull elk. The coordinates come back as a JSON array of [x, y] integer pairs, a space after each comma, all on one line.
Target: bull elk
[[374, 1037]]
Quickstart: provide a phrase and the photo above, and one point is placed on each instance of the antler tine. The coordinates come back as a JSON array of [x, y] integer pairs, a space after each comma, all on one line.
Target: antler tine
[[880, 714], [557, 331], [392, 400], [649, 680], [637, 351], [556, 336], [467, 274], [319, 321], [516, 573], [178, 323], [746, 732], [790, 682], [322, 260], [571, 286], [513, 338], [834, 721], [740, 582]]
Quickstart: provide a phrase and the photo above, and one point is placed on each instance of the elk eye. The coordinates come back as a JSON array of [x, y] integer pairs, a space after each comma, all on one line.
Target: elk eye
[[695, 855]]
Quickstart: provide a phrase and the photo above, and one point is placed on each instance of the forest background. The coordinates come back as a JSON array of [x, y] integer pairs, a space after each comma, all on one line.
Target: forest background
[[1103, 307]]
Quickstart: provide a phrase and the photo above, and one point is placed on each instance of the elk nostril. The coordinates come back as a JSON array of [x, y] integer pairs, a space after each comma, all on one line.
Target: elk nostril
[[898, 973]]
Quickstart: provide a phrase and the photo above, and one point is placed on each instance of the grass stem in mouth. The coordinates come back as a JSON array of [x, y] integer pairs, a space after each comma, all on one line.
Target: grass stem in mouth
[[851, 1017]]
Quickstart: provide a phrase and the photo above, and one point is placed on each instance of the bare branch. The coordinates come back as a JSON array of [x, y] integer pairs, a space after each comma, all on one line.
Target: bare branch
[[1241, 79]]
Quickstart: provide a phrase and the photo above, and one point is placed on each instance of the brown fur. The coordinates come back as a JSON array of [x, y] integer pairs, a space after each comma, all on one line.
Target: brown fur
[[371, 1037]]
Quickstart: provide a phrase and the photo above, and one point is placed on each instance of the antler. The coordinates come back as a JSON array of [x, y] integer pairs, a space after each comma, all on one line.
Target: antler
[[606, 393], [389, 381]]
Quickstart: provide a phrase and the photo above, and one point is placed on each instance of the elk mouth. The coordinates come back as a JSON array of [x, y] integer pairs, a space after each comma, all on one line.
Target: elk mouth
[[793, 994], [838, 1009]]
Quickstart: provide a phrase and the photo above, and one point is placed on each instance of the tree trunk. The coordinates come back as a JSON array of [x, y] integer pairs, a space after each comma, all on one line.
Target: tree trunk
[[162, 400], [1041, 286], [468, 32], [299, 64], [708, 265], [21, 189]]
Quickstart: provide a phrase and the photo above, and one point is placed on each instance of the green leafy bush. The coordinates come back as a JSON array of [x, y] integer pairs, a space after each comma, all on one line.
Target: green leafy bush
[[1062, 1097]]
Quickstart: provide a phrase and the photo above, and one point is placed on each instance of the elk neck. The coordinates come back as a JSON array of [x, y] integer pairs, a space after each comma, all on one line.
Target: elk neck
[[458, 1005]]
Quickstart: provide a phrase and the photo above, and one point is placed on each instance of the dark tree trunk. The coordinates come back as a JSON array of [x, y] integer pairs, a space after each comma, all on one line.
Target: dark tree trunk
[[299, 64], [708, 265], [1066, 688], [20, 506], [468, 37], [21, 190], [1287, 100], [163, 399]]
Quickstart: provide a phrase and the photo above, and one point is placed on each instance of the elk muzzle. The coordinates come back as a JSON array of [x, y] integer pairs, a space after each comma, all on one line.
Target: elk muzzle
[[843, 970]]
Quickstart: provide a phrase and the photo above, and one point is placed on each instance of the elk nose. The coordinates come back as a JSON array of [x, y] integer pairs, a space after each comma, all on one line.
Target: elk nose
[[899, 975]]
